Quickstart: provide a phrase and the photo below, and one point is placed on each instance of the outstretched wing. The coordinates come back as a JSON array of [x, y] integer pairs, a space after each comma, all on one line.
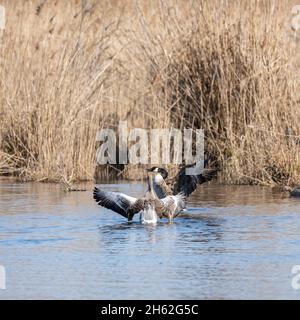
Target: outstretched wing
[[115, 201], [173, 205], [187, 184]]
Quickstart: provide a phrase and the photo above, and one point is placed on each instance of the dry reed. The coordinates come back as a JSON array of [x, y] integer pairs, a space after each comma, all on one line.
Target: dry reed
[[69, 68]]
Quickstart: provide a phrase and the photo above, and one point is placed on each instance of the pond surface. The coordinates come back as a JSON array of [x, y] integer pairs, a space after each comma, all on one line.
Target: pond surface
[[232, 243]]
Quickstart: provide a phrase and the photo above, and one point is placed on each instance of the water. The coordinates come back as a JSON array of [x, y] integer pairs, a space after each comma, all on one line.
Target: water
[[233, 243]]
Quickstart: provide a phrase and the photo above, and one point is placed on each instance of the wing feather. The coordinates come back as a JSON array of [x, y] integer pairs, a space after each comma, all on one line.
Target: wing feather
[[187, 184], [115, 201], [173, 205]]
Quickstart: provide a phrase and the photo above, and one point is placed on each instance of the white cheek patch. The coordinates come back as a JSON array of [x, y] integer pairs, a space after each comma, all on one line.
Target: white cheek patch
[[158, 178]]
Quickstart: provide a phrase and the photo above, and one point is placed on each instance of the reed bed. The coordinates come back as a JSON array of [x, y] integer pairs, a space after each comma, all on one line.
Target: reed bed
[[70, 68]]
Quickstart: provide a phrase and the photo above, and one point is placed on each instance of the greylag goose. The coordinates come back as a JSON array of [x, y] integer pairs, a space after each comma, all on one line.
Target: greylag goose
[[150, 207]]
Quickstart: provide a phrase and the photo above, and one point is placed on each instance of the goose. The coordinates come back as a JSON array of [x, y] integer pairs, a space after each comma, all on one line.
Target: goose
[[150, 207], [182, 183], [294, 192]]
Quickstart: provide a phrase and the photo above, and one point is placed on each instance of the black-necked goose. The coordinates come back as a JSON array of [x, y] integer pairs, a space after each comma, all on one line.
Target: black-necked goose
[[181, 183]]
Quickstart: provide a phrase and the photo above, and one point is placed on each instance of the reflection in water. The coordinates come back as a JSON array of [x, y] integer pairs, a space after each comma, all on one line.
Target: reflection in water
[[232, 242]]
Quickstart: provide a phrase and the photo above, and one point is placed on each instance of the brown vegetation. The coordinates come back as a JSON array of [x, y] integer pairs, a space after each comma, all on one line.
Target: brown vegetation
[[69, 68]]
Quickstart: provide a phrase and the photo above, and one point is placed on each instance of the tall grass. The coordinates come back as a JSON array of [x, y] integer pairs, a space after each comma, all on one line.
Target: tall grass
[[70, 68]]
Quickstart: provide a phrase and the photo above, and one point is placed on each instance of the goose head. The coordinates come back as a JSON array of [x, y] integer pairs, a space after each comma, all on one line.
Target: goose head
[[157, 171]]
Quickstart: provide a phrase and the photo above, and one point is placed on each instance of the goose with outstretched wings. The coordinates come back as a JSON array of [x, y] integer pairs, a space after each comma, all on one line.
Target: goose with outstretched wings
[[181, 183], [150, 206]]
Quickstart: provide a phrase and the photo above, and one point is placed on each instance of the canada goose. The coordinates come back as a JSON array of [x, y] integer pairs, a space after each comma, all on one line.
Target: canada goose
[[150, 206], [182, 183]]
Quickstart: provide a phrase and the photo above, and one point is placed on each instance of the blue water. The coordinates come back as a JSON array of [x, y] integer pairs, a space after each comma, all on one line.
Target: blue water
[[233, 243]]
